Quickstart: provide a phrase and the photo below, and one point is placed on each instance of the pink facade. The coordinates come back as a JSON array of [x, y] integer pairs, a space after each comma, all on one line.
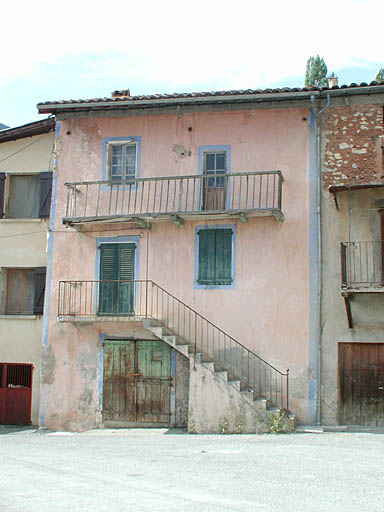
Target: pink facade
[[267, 308]]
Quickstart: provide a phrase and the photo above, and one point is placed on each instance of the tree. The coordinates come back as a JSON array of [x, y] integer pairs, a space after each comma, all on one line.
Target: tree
[[316, 72], [380, 75]]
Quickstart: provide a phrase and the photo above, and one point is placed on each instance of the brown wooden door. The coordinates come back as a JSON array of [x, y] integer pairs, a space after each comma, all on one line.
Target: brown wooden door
[[137, 382], [361, 384]]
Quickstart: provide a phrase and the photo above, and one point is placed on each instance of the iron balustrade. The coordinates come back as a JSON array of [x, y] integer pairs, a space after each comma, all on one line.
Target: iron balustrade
[[175, 195], [362, 264], [115, 300]]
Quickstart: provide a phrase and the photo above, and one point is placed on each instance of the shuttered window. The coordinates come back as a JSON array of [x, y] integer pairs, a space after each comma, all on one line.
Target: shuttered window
[[117, 266], [28, 196], [25, 291], [38, 303], [215, 257]]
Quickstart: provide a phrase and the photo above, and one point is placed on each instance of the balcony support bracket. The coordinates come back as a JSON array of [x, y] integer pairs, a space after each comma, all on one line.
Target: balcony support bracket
[[279, 216], [243, 217], [177, 220], [140, 222], [347, 303]]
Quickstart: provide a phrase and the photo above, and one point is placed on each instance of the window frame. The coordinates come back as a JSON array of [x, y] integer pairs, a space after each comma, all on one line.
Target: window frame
[[107, 144], [202, 151], [199, 286], [24, 271]]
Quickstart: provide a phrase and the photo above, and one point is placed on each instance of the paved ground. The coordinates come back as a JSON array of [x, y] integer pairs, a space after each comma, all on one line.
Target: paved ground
[[137, 470]]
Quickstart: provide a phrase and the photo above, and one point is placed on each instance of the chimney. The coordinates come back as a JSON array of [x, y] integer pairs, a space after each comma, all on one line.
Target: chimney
[[333, 80], [121, 93]]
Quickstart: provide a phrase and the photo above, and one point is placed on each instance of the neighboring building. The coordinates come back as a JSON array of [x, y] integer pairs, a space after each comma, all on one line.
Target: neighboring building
[[25, 188], [175, 224], [352, 337]]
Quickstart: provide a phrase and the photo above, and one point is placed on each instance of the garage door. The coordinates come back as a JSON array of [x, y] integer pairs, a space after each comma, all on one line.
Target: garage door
[[361, 384]]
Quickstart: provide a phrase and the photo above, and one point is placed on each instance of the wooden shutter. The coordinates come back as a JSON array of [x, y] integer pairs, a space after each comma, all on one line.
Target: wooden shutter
[[2, 188], [38, 305], [207, 250], [45, 194], [109, 262], [215, 257], [223, 264], [126, 262]]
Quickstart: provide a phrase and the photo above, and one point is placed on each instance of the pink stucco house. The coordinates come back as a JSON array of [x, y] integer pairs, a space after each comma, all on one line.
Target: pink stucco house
[[182, 261]]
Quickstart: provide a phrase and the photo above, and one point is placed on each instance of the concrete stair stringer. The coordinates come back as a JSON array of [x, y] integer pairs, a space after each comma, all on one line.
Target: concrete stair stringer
[[219, 402]]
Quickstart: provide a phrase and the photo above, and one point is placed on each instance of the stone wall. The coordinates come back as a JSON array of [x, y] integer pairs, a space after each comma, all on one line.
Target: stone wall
[[352, 145]]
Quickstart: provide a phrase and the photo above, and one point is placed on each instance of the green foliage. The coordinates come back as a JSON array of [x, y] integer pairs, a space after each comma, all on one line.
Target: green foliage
[[224, 426], [239, 427], [316, 72], [279, 422], [192, 428], [380, 76]]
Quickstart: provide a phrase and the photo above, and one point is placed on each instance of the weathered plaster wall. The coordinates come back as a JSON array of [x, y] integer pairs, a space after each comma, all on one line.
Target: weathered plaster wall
[[268, 310], [356, 134], [182, 391], [23, 244]]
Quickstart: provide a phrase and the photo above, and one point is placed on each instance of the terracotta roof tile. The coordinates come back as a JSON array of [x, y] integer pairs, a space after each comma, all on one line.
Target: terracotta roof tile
[[232, 92]]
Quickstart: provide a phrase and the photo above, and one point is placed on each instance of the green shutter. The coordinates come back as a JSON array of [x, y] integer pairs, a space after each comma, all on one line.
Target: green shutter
[[117, 264], [215, 257], [207, 250], [223, 265]]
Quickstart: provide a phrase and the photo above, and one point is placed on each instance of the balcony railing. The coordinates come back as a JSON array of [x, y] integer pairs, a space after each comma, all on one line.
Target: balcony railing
[[114, 300], [362, 264], [250, 193]]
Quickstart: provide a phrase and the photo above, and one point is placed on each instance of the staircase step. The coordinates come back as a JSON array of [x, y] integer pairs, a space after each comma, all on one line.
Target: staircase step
[[235, 383]]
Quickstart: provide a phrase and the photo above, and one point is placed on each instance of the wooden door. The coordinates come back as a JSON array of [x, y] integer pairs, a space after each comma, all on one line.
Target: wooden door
[[361, 384], [153, 384], [214, 190], [119, 381], [137, 382], [15, 393], [117, 265]]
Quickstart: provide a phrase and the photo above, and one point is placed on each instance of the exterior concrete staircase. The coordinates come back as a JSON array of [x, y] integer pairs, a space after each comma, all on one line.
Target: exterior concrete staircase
[[220, 401]]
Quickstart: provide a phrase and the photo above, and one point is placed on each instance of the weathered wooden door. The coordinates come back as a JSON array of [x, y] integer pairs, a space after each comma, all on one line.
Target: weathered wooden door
[[137, 382], [117, 265], [214, 188], [361, 384], [15, 393]]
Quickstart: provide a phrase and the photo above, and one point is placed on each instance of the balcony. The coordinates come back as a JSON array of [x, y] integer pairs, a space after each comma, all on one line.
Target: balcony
[[362, 270], [175, 198]]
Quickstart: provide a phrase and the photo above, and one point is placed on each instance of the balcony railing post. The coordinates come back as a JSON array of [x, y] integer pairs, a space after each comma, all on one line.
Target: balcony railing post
[[287, 372], [280, 191], [343, 258]]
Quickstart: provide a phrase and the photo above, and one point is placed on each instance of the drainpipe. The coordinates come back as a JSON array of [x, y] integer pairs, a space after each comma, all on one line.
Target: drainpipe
[[319, 256]]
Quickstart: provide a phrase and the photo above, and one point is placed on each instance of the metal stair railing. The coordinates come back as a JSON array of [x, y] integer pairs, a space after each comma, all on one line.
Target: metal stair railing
[[146, 299]]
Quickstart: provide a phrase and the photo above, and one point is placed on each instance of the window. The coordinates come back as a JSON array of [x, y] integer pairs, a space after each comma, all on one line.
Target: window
[[215, 257], [122, 161], [215, 163], [25, 196], [25, 291]]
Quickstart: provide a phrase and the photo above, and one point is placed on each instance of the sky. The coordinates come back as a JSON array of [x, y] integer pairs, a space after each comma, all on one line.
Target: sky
[[86, 49]]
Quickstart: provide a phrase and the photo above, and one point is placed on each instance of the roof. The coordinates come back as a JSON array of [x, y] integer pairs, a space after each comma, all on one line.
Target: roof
[[27, 130], [122, 99]]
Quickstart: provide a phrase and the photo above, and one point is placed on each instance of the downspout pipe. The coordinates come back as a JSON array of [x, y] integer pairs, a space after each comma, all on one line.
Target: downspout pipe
[[319, 256]]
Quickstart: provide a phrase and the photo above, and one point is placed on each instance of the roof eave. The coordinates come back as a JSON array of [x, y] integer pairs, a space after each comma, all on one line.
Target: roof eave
[[27, 130]]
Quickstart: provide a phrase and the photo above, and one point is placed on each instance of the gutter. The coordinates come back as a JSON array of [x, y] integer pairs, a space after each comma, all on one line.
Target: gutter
[[319, 256]]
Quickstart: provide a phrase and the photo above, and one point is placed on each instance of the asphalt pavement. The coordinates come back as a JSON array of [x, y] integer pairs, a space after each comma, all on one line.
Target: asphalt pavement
[[110, 470]]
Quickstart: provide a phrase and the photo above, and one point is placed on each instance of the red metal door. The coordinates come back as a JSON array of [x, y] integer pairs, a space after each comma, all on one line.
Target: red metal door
[[15, 393]]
